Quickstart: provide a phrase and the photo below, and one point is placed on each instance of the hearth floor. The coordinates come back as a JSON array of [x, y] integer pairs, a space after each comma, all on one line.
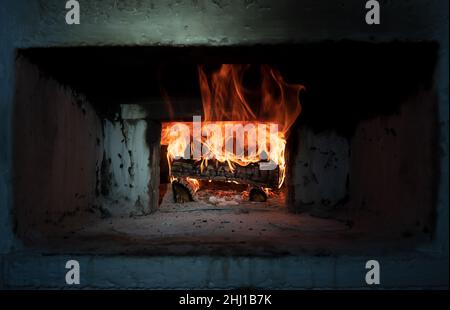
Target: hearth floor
[[199, 228]]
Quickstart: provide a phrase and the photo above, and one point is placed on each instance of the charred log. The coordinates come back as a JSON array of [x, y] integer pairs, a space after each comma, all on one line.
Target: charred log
[[217, 171], [183, 190], [257, 194]]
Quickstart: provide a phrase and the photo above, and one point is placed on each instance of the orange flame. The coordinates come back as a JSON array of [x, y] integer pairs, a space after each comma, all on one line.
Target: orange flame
[[225, 98], [195, 184], [246, 115]]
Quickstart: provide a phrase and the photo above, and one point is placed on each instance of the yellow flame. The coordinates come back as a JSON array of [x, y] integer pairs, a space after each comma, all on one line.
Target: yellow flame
[[272, 148]]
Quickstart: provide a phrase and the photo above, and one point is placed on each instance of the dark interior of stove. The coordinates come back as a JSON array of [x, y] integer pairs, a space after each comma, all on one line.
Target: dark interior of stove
[[378, 76], [361, 157]]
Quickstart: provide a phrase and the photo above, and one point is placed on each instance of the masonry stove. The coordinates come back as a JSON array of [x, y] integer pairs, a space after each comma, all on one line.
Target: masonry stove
[[129, 148]]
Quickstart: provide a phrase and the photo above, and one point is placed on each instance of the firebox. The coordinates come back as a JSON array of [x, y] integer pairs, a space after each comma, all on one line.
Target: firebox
[[241, 141], [324, 148]]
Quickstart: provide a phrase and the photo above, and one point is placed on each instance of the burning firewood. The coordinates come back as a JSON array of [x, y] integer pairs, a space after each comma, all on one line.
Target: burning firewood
[[234, 142], [217, 171], [184, 189], [257, 194]]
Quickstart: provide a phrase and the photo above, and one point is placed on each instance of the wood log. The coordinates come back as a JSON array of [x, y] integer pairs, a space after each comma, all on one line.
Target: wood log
[[257, 194], [183, 190], [217, 171]]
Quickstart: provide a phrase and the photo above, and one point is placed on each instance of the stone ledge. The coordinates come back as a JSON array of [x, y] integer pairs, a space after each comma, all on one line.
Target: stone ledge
[[102, 272]]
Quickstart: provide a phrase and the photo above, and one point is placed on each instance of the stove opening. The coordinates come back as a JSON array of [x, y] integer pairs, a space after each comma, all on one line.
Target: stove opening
[[240, 143], [263, 150]]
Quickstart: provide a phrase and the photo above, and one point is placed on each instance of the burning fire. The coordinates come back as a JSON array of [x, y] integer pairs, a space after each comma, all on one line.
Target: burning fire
[[242, 125], [194, 183]]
